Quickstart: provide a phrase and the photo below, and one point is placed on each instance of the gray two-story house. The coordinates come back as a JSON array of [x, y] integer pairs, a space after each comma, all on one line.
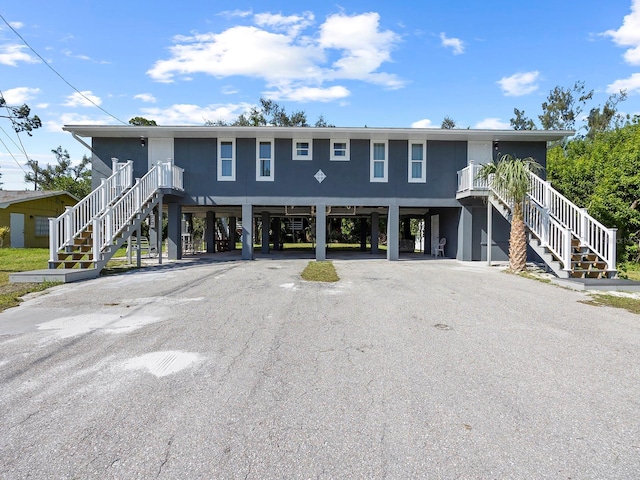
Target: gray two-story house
[[275, 172], [382, 176]]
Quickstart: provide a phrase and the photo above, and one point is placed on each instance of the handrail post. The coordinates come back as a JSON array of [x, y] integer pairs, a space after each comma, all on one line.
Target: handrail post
[[68, 224], [470, 167], [103, 193], [114, 164], [96, 240], [545, 221], [566, 248], [53, 239], [138, 194], [546, 194], [613, 243]]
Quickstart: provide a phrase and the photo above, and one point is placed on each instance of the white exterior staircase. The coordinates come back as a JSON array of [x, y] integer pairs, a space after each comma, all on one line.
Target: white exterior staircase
[[88, 234], [570, 241]]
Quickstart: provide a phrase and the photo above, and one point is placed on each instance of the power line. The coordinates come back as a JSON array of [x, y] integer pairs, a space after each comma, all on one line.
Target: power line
[[12, 156], [56, 72], [24, 150]]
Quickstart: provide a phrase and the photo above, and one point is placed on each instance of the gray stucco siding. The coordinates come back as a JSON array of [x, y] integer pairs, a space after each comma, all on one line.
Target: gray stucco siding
[[123, 149], [198, 159]]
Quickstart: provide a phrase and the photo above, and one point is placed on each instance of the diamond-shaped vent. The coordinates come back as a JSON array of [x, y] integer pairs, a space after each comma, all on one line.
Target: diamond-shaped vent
[[320, 176]]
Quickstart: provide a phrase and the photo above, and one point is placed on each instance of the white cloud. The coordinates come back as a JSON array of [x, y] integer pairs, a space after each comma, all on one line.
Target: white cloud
[[519, 83], [287, 61], [145, 97], [364, 47], [12, 54], [454, 43], [236, 13], [82, 99], [424, 123], [42, 106], [628, 35], [187, 114], [310, 94], [492, 124], [20, 95], [631, 84], [75, 119], [16, 25], [241, 50], [292, 24], [229, 90]]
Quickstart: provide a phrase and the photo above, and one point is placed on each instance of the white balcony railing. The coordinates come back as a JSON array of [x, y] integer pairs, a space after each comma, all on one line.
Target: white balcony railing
[[468, 179]]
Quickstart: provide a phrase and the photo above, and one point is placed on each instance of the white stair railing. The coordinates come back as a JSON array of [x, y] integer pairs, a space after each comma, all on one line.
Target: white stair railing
[[108, 225], [66, 227], [552, 235], [591, 233]]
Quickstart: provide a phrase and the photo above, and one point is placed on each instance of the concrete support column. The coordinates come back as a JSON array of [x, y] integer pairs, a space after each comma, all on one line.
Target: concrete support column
[[465, 240], [210, 232], [174, 218], [489, 231], [247, 231], [321, 232], [275, 227], [363, 234], [154, 231], [159, 228], [266, 224], [232, 233], [393, 233], [375, 231], [426, 234]]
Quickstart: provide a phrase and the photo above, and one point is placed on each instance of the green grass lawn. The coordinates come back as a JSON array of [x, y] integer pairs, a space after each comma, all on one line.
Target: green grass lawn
[[14, 260], [320, 272]]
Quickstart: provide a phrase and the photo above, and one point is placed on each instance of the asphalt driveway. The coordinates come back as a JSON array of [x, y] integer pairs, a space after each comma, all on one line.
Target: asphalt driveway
[[410, 369]]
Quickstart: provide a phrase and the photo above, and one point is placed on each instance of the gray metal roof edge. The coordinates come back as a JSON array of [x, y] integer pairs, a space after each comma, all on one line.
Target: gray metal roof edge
[[194, 131]]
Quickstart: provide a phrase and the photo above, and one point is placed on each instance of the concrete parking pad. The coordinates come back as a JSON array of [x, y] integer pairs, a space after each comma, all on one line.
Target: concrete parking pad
[[410, 369]]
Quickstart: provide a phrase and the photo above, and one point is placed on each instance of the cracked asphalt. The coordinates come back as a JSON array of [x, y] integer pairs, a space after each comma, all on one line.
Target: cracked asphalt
[[231, 369]]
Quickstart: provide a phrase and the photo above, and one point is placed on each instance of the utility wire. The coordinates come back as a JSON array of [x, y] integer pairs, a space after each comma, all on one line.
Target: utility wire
[[24, 150], [12, 156], [56, 72]]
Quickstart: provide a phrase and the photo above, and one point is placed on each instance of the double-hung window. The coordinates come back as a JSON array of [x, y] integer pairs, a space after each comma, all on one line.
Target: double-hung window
[[339, 150], [226, 160], [302, 149], [264, 161], [379, 161], [417, 162]]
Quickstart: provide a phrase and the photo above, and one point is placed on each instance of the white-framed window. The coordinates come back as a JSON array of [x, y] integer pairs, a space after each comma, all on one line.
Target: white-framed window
[[339, 150], [302, 149], [417, 162], [379, 161], [226, 160], [42, 226], [265, 160]]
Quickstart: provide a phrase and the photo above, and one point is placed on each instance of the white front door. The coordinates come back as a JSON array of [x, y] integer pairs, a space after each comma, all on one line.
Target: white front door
[[17, 230], [435, 233]]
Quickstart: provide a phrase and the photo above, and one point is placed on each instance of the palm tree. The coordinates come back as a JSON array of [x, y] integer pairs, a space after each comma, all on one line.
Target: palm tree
[[510, 176]]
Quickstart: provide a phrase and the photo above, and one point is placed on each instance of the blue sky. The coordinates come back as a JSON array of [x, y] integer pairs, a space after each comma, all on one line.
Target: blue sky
[[374, 63]]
